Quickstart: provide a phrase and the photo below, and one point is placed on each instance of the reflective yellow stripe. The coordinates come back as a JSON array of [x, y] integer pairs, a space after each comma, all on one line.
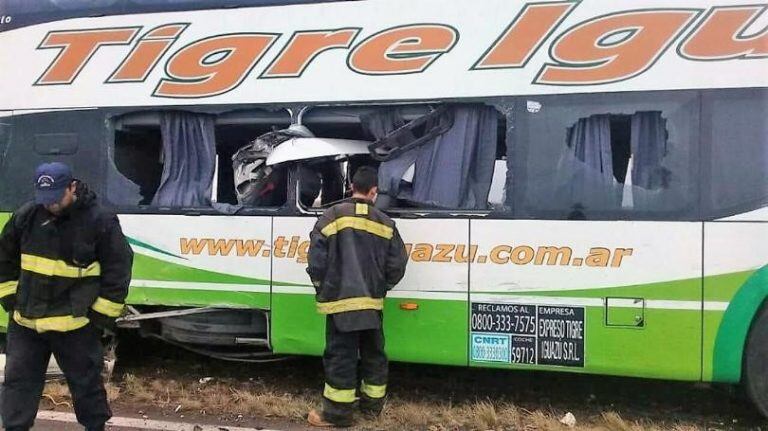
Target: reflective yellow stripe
[[373, 391], [361, 209], [58, 268], [8, 288], [358, 223], [350, 304], [45, 324], [107, 307], [339, 395]]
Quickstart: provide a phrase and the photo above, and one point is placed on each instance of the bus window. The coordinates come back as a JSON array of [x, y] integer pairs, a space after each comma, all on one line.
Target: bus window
[[430, 157], [325, 177], [5, 135], [608, 156], [137, 158], [178, 159], [241, 174], [453, 169], [70, 136], [5, 141], [735, 139]]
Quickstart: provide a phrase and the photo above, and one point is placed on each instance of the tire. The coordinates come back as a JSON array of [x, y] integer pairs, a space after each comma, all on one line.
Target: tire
[[755, 374]]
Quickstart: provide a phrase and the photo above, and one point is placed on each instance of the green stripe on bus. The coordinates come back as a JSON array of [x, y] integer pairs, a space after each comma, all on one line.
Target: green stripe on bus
[[150, 268]]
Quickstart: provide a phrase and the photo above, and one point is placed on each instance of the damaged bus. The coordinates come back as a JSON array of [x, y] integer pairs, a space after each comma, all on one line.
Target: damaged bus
[[582, 185]]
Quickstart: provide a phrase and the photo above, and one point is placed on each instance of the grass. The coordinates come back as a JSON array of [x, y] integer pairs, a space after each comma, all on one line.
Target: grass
[[422, 397], [231, 397]]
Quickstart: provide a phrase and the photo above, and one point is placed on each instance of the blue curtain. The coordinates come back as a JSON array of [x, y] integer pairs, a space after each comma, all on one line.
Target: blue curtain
[[649, 146], [456, 169], [590, 141], [189, 151], [453, 171]]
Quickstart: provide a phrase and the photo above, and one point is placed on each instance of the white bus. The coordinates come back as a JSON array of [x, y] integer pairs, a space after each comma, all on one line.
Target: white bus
[[582, 185]]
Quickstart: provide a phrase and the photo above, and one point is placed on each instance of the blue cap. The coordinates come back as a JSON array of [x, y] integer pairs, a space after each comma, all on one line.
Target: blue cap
[[51, 180]]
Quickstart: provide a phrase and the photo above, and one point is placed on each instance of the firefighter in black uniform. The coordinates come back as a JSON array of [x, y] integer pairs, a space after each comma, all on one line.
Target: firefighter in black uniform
[[65, 267], [356, 255]]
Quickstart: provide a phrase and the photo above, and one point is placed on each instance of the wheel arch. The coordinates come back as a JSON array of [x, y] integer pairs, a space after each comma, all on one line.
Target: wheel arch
[[735, 326]]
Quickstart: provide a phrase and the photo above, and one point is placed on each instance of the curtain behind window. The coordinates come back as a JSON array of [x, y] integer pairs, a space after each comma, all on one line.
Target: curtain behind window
[[590, 142], [454, 171], [189, 150], [648, 140], [584, 177], [379, 124]]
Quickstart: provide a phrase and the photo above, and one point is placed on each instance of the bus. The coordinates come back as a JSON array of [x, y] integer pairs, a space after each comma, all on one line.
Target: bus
[[582, 186]]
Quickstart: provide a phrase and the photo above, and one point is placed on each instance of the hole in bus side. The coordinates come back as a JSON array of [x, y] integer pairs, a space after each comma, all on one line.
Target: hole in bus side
[[427, 163], [179, 161], [182, 163]]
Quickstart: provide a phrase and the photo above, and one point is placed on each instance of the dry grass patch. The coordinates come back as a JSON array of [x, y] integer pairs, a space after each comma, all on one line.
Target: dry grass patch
[[442, 416], [113, 391], [614, 422], [214, 398], [270, 404], [138, 389], [248, 398], [56, 394]]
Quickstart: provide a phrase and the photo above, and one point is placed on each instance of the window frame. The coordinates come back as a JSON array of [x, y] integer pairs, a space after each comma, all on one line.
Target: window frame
[[711, 212], [692, 210], [218, 111]]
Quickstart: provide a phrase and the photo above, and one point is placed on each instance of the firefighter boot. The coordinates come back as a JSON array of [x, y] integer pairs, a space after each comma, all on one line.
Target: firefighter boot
[[324, 420], [371, 408]]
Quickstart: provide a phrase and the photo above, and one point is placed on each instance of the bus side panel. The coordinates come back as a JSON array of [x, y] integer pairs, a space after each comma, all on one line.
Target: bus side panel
[[295, 325], [619, 298], [435, 285], [736, 280], [199, 261]]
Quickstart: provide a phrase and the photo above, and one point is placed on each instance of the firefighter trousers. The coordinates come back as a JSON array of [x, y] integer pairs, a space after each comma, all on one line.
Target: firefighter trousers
[[346, 353], [80, 356]]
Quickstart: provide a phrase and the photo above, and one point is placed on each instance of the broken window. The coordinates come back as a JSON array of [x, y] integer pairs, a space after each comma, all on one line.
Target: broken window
[[434, 156], [179, 159], [452, 157], [335, 146], [608, 156], [244, 140], [168, 156]]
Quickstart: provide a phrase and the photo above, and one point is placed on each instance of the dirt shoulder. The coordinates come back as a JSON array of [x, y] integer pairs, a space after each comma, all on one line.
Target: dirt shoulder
[[172, 385]]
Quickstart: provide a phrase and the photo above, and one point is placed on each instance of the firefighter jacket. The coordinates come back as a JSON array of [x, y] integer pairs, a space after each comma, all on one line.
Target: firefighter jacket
[[58, 273], [355, 256]]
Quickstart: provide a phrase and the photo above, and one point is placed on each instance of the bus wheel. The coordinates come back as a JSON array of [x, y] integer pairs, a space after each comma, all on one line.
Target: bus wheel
[[756, 362]]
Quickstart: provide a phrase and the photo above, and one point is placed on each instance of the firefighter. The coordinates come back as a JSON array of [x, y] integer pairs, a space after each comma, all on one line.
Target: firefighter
[[356, 255], [65, 267]]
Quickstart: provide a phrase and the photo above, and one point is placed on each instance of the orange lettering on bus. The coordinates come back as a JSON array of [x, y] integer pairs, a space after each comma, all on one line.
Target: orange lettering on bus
[[145, 55], [77, 47], [722, 36], [402, 50], [213, 66], [530, 28], [303, 47], [614, 47]]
